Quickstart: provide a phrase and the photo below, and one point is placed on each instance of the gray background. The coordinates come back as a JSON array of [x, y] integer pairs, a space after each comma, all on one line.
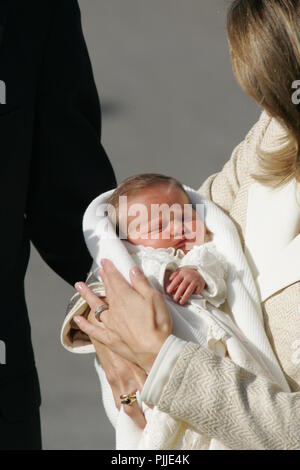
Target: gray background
[[170, 104]]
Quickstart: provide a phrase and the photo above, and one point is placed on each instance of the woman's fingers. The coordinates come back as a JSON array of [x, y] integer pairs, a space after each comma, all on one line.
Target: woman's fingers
[[87, 294], [95, 321], [136, 415], [134, 312], [97, 332], [93, 301], [114, 282], [128, 378], [107, 337], [140, 283]]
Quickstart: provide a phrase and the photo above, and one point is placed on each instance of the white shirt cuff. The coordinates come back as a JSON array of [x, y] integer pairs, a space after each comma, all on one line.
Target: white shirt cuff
[[161, 370]]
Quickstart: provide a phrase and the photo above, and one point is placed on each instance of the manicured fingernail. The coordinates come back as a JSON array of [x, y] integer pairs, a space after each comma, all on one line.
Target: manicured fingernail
[[136, 271], [101, 272], [77, 320], [79, 286]]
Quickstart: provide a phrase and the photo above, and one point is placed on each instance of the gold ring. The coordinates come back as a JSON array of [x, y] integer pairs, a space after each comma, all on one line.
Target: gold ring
[[128, 399]]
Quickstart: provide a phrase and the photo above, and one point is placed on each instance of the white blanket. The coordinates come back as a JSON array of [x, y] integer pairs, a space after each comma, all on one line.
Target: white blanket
[[249, 339]]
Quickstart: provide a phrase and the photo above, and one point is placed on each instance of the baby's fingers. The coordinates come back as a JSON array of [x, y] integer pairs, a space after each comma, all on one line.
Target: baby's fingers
[[174, 283], [180, 291], [187, 294], [199, 289], [173, 275]]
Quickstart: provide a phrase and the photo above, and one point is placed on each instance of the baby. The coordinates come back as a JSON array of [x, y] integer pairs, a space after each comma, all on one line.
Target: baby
[[165, 236], [168, 239]]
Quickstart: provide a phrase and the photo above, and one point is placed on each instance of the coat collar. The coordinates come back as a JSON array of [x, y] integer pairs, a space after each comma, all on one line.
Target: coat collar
[[272, 238], [282, 272]]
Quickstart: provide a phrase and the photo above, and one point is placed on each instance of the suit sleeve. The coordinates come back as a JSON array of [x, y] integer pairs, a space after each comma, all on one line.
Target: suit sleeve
[[69, 165]]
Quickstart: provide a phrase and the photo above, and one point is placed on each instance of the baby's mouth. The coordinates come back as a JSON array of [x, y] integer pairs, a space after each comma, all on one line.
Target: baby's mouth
[[180, 243]]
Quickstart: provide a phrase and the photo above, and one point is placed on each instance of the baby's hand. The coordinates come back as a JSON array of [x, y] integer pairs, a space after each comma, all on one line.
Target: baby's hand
[[183, 283]]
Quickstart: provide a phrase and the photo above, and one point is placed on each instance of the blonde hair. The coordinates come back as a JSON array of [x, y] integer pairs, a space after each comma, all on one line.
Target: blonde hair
[[264, 40]]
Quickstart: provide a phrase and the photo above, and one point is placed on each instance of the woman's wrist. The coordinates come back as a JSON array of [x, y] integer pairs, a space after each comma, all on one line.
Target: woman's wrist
[[149, 359], [161, 370]]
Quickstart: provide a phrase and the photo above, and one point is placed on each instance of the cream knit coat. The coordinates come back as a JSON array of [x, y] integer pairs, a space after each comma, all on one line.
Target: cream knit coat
[[240, 409]]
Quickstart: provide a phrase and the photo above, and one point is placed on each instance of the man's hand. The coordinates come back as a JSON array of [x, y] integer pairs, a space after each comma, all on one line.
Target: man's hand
[[183, 283]]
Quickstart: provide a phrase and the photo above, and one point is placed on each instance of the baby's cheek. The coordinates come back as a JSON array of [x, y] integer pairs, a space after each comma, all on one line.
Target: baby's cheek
[[133, 240], [198, 230]]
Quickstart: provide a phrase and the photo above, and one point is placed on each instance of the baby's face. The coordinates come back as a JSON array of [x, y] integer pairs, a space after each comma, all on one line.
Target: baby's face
[[161, 217]]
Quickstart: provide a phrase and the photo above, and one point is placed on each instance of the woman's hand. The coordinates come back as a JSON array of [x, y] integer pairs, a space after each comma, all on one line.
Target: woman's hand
[[122, 376], [137, 322]]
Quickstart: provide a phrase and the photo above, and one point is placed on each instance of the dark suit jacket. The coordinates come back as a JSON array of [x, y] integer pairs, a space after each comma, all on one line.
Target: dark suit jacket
[[52, 166]]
